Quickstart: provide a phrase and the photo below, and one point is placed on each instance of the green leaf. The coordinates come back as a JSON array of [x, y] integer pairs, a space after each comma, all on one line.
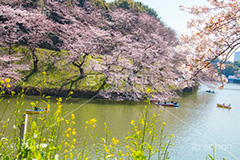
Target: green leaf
[[210, 157], [6, 158], [59, 147]]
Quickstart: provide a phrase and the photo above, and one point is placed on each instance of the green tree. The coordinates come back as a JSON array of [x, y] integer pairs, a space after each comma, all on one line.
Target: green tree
[[229, 70], [138, 6], [237, 63]]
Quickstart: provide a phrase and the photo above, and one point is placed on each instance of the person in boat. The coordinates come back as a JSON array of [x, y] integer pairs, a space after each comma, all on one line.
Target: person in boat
[[172, 102], [165, 102], [158, 102], [36, 108]]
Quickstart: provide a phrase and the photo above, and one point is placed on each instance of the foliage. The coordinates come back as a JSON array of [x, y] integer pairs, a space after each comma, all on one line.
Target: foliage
[[215, 35], [237, 63], [101, 3], [229, 69], [132, 5]]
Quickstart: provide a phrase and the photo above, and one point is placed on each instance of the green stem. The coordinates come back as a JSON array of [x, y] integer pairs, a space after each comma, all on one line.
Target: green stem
[[144, 127], [149, 155], [160, 145], [165, 152]]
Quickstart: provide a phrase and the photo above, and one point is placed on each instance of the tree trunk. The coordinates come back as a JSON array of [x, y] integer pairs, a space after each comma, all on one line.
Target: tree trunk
[[80, 66], [82, 73], [81, 70], [35, 60]]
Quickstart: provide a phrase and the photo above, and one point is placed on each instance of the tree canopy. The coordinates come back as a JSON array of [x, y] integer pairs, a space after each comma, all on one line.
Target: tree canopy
[[132, 5]]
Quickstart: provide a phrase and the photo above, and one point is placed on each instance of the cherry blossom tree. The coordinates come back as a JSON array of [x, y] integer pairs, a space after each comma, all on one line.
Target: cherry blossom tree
[[28, 27], [215, 35], [142, 57], [10, 31], [131, 51]]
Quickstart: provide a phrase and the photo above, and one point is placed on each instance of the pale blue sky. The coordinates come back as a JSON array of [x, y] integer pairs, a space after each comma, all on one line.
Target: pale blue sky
[[170, 13]]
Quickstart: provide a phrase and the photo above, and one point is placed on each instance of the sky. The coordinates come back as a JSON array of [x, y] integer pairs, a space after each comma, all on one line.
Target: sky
[[170, 14]]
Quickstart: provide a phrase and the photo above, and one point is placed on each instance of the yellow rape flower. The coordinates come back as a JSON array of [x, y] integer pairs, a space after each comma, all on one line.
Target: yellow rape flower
[[13, 92], [73, 123], [93, 121], [60, 99], [7, 80], [74, 140], [132, 122], [71, 155], [107, 150], [164, 123], [66, 144], [172, 136], [72, 115], [74, 132], [71, 92], [44, 73], [2, 81], [44, 139], [67, 135], [148, 90], [69, 129], [8, 85]]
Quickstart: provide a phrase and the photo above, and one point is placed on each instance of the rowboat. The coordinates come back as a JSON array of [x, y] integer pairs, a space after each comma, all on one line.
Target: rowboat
[[210, 91], [39, 111], [168, 104], [224, 106], [153, 100]]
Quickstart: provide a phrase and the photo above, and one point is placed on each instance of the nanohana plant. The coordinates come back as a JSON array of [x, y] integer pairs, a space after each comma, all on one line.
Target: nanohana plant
[[53, 135]]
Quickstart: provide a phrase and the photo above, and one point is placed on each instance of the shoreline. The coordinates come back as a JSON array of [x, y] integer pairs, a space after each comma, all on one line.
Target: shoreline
[[55, 92]]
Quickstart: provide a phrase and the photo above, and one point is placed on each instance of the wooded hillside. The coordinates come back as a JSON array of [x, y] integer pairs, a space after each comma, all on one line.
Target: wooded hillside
[[118, 49]]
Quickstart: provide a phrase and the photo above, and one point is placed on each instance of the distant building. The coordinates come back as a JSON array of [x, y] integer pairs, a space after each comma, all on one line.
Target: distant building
[[237, 56]]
